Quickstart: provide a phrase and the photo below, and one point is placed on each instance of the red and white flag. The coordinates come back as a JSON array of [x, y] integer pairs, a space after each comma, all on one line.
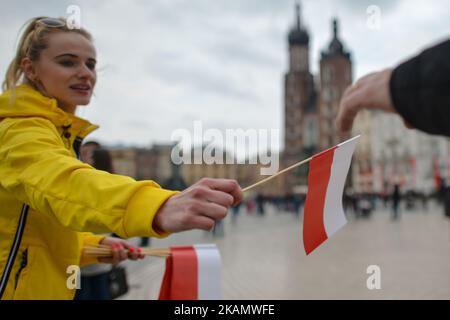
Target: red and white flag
[[192, 273], [324, 214]]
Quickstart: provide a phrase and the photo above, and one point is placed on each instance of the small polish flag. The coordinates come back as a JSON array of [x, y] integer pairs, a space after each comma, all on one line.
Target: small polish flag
[[324, 214], [192, 273]]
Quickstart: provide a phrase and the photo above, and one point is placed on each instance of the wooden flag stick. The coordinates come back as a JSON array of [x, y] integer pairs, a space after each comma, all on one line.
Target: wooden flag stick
[[106, 251], [298, 164]]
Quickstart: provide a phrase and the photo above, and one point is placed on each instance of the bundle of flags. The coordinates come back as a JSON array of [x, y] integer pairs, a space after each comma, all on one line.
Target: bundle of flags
[[192, 273]]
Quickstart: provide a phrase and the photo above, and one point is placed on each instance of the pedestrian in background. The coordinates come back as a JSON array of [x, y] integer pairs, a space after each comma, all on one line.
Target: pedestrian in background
[[396, 197]]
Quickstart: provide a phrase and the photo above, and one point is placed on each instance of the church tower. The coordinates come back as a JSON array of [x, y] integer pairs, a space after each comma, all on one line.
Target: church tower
[[300, 115], [335, 77]]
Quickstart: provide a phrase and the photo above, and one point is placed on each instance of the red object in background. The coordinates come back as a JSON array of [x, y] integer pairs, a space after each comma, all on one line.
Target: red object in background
[[437, 173], [402, 179]]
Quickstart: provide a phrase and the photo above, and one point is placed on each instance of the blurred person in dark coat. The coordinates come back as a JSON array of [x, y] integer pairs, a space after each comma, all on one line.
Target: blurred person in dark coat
[[418, 90]]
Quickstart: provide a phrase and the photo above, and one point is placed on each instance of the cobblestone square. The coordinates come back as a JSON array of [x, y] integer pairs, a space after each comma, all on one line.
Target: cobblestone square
[[263, 258]]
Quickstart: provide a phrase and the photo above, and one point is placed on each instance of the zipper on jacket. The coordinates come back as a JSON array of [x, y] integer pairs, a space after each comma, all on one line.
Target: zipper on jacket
[[23, 264], [77, 146], [14, 249]]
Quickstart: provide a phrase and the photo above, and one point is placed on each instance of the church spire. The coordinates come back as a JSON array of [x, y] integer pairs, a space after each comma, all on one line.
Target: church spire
[[335, 28], [335, 47], [298, 35]]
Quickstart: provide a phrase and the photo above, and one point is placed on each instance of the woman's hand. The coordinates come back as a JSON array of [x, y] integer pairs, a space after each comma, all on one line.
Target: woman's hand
[[199, 206], [121, 250]]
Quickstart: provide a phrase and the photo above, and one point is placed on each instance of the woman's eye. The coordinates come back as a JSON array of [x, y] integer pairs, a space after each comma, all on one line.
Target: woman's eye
[[67, 63], [91, 66]]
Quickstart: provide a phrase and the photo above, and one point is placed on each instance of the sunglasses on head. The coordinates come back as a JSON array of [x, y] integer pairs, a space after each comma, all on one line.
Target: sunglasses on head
[[51, 22]]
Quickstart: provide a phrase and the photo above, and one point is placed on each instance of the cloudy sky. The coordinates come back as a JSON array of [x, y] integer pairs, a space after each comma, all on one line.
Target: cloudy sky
[[165, 63]]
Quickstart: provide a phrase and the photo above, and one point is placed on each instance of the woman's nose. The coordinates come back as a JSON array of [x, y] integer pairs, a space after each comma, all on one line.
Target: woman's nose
[[85, 73]]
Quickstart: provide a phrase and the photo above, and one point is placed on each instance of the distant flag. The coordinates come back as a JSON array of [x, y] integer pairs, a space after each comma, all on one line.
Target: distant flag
[[437, 173], [192, 273], [324, 214]]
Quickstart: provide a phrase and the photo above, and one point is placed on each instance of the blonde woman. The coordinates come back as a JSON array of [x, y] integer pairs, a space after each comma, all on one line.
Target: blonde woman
[[50, 201]]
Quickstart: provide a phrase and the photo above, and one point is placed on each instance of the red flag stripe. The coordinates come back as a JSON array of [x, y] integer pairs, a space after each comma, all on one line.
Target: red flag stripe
[[184, 273], [314, 232], [166, 285]]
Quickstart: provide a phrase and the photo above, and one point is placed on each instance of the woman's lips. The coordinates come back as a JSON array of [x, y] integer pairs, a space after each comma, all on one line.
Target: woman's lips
[[81, 89]]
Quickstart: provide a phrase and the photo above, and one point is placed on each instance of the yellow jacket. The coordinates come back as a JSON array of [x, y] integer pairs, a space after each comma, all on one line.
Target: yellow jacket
[[67, 199]]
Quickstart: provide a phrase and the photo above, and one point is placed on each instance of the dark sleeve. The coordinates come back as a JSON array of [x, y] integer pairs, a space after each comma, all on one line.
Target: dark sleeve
[[420, 90]]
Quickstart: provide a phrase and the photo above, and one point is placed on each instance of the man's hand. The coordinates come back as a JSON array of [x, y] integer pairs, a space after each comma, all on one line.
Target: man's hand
[[199, 206], [369, 92]]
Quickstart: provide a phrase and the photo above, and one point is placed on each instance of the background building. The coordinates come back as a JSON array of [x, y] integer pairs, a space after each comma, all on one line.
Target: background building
[[362, 165], [411, 158], [311, 105]]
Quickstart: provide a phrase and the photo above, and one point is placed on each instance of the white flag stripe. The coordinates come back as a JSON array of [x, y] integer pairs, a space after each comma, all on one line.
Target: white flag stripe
[[209, 272], [334, 217]]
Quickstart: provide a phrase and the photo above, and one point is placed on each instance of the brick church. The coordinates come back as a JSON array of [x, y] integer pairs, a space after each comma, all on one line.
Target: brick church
[[312, 102]]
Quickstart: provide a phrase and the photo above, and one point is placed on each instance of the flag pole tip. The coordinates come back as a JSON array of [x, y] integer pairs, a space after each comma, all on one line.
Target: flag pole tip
[[349, 140]]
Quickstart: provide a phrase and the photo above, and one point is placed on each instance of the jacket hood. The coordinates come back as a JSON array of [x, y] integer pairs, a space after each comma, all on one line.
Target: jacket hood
[[28, 102]]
